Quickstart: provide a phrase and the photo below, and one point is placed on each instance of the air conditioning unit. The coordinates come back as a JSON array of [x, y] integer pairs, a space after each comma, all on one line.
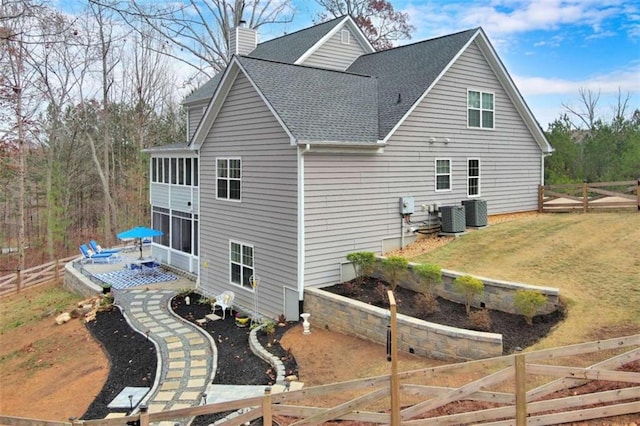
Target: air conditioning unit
[[453, 219], [475, 212]]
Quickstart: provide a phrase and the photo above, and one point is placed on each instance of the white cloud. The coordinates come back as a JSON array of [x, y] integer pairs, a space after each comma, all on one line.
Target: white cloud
[[547, 96], [627, 80], [501, 18]]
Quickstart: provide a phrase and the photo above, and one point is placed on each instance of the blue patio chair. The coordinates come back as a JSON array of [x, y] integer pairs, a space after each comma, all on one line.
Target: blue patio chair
[[97, 249], [90, 256]]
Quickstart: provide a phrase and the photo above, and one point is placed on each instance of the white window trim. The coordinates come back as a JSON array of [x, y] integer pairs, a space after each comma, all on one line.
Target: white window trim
[[345, 37], [435, 172], [479, 177], [216, 177], [494, 109], [241, 264]]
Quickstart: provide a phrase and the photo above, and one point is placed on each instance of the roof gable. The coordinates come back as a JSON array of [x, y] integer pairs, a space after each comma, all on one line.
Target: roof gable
[[405, 73], [313, 105], [290, 48]]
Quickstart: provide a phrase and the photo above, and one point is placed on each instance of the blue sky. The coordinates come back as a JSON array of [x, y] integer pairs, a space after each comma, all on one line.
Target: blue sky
[[551, 48]]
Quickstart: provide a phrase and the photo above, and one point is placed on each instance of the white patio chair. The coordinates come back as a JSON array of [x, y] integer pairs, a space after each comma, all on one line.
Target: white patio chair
[[225, 301]]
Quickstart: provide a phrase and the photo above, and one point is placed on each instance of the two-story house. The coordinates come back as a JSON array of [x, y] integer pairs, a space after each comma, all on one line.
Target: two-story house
[[299, 152]]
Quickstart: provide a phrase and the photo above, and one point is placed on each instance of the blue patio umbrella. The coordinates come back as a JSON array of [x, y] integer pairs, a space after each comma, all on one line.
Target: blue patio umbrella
[[139, 232]]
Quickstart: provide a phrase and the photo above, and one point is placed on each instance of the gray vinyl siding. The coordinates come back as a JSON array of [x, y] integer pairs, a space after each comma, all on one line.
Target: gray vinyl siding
[[175, 197], [242, 40], [195, 112], [266, 218], [333, 54], [159, 194], [352, 201]]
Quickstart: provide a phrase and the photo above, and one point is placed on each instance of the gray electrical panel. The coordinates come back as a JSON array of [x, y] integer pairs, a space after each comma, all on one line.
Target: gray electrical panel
[[453, 219], [407, 205], [475, 212]]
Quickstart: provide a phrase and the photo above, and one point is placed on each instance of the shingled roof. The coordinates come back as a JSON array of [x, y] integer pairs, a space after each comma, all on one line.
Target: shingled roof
[[405, 73], [290, 47], [287, 49], [318, 105]]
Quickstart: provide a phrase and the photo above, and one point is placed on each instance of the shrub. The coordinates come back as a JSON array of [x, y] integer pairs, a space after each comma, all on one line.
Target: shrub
[[426, 303], [468, 287], [362, 262], [527, 303], [480, 320], [429, 276], [395, 269]]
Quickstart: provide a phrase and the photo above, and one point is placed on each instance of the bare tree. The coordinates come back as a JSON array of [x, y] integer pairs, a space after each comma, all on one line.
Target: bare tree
[[587, 113], [379, 21], [196, 32], [18, 97]]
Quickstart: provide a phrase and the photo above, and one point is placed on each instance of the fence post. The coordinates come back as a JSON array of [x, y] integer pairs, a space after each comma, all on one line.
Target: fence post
[[585, 194], [267, 415], [56, 274], [521, 390], [540, 197], [395, 384], [18, 280], [144, 415]]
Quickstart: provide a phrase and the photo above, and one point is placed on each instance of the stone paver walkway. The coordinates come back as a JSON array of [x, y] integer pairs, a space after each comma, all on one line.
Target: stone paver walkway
[[187, 356]]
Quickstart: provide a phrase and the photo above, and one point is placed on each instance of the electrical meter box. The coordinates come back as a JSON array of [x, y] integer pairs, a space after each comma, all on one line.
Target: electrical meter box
[[407, 205]]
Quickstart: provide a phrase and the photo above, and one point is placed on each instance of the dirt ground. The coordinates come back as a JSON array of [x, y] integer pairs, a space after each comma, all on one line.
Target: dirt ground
[[49, 371], [54, 372]]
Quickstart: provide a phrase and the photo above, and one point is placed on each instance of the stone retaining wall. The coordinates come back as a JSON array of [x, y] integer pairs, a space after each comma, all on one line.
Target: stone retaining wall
[[338, 313], [75, 282]]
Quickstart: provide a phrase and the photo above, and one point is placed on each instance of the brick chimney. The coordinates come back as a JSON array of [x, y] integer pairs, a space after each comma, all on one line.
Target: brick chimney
[[242, 39]]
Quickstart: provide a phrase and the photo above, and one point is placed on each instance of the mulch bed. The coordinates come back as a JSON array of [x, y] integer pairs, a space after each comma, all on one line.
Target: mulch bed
[[133, 358], [516, 333]]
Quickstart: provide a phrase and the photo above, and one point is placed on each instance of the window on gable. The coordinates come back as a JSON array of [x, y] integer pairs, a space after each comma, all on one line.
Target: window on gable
[[443, 174], [480, 109], [345, 37], [228, 178], [473, 177], [241, 263]]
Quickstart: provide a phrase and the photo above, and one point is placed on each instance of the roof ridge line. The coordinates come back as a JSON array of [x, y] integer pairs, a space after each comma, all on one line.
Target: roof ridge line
[[302, 29], [306, 66], [423, 41]]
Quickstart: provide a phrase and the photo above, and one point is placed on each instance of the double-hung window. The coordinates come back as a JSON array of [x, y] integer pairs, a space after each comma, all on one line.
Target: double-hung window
[[443, 174], [480, 109], [473, 177], [241, 263], [228, 178]]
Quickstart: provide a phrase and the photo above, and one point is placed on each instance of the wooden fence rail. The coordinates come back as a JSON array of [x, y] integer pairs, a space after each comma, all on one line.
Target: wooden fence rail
[[41, 274], [587, 197], [516, 389]]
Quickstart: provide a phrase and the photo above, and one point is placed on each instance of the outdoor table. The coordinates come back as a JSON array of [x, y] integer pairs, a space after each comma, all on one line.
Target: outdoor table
[[147, 265]]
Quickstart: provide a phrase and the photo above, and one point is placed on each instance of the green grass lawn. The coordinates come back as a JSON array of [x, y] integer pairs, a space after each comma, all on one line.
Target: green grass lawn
[[594, 259]]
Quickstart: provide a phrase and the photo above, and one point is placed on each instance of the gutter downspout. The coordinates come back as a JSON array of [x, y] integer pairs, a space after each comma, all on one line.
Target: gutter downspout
[[198, 283], [301, 234]]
